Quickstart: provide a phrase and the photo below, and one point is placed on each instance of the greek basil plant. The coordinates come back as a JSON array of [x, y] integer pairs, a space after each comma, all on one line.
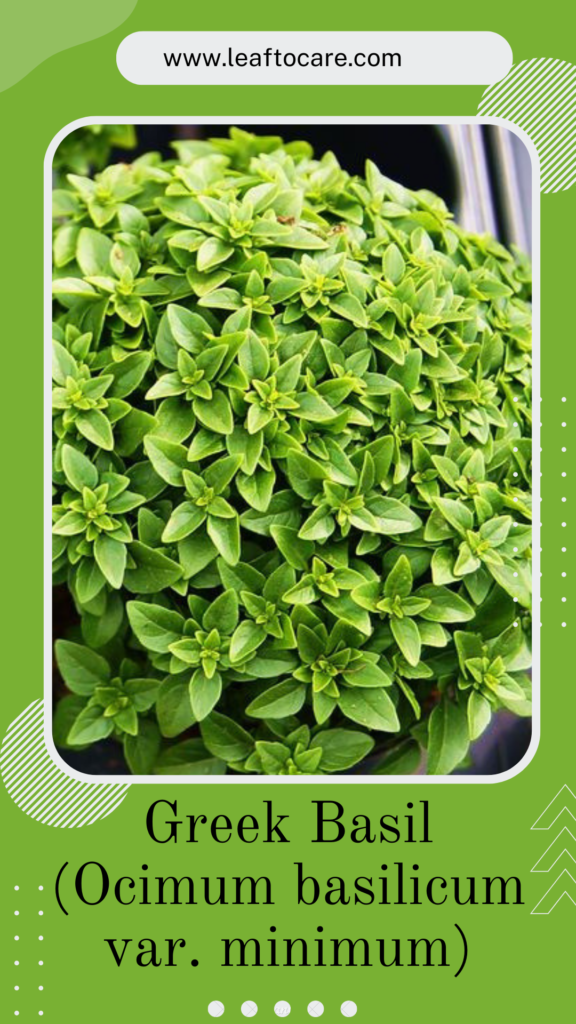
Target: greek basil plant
[[291, 466]]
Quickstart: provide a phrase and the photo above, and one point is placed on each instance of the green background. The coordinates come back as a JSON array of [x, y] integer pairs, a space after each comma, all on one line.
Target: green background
[[518, 964]]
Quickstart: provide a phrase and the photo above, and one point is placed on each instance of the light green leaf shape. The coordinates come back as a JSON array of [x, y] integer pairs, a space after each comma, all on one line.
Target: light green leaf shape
[[55, 27]]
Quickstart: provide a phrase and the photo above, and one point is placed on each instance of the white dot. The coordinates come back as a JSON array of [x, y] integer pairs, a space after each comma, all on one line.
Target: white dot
[[249, 1009], [40, 887], [563, 424], [563, 598], [16, 988], [514, 449], [515, 574], [40, 963], [515, 549], [16, 887], [40, 937], [515, 399], [563, 524], [563, 399], [563, 449], [16, 937], [563, 624], [40, 988], [315, 1009], [216, 1008], [563, 499], [40, 913], [563, 549], [282, 1008], [563, 474], [16, 963], [563, 572], [348, 1009], [514, 474]]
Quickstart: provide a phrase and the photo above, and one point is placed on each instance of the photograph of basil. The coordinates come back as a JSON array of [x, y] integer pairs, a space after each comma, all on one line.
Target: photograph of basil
[[292, 450]]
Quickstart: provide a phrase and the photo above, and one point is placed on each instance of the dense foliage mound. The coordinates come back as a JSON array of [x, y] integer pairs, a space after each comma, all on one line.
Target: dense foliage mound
[[291, 465]]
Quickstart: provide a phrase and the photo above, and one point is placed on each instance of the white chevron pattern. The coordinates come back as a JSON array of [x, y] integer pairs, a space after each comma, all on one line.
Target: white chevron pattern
[[539, 95], [40, 788]]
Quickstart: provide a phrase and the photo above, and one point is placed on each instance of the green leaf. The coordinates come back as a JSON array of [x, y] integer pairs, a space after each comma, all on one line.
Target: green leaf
[[215, 413], [128, 374], [212, 252], [93, 252], [225, 535], [342, 748], [65, 714], [367, 674], [257, 489], [89, 581], [173, 707], [204, 693], [373, 709], [305, 475], [456, 514], [253, 358], [222, 614], [445, 605], [279, 701], [142, 750], [393, 264], [402, 760], [282, 511], [155, 627], [167, 458], [393, 516], [515, 579], [245, 641], [81, 669], [225, 739], [153, 571], [479, 714], [79, 471], [185, 520], [95, 427], [406, 635], [448, 737], [110, 557], [89, 727], [195, 553], [188, 758], [349, 307], [399, 581]]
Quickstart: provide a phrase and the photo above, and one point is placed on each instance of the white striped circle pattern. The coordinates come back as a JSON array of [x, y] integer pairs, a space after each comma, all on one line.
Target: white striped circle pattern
[[40, 788], [539, 96]]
